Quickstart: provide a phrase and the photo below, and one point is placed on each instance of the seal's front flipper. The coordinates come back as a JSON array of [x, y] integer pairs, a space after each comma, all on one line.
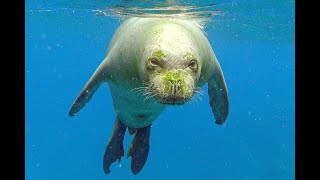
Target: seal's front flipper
[[114, 150], [139, 149], [218, 95], [99, 76]]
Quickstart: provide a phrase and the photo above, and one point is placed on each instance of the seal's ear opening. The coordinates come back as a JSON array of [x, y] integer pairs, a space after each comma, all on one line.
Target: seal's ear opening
[[218, 94]]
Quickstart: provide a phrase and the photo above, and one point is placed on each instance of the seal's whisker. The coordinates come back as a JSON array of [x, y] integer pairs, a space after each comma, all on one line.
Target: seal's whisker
[[196, 99], [198, 92], [150, 96], [147, 93], [154, 98], [198, 89], [137, 88], [155, 94], [145, 98], [152, 101], [199, 97], [139, 91]]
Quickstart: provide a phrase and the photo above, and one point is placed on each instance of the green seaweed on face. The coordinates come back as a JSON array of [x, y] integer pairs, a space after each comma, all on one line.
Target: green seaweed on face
[[174, 77], [189, 56], [158, 54]]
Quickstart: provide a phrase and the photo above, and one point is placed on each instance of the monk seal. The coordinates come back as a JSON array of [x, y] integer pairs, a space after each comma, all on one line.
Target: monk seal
[[150, 64]]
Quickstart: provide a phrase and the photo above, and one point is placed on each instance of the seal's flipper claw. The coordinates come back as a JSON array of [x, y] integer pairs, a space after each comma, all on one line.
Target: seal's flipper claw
[[114, 150], [99, 76], [139, 149], [218, 95]]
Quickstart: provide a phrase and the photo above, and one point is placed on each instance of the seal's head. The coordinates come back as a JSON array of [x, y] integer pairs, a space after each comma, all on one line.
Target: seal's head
[[171, 78], [170, 61]]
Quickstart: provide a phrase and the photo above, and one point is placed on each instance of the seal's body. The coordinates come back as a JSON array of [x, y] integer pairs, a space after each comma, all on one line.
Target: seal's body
[[152, 63]]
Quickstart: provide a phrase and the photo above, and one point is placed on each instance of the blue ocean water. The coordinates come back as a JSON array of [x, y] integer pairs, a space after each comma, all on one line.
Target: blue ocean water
[[255, 44]]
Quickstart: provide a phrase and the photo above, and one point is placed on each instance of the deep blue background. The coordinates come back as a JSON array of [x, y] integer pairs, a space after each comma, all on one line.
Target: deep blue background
[[254, 43]]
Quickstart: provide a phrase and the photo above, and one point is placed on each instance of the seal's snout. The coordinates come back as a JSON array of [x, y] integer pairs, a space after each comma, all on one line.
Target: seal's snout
[[175, 93], [176, 87]]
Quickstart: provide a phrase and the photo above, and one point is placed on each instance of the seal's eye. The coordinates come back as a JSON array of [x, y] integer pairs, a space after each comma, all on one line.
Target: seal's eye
[[153, 62], [193, 64]]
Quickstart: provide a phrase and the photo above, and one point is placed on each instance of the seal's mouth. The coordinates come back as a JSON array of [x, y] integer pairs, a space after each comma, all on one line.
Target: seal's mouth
[[172, 103], [174, 100]]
